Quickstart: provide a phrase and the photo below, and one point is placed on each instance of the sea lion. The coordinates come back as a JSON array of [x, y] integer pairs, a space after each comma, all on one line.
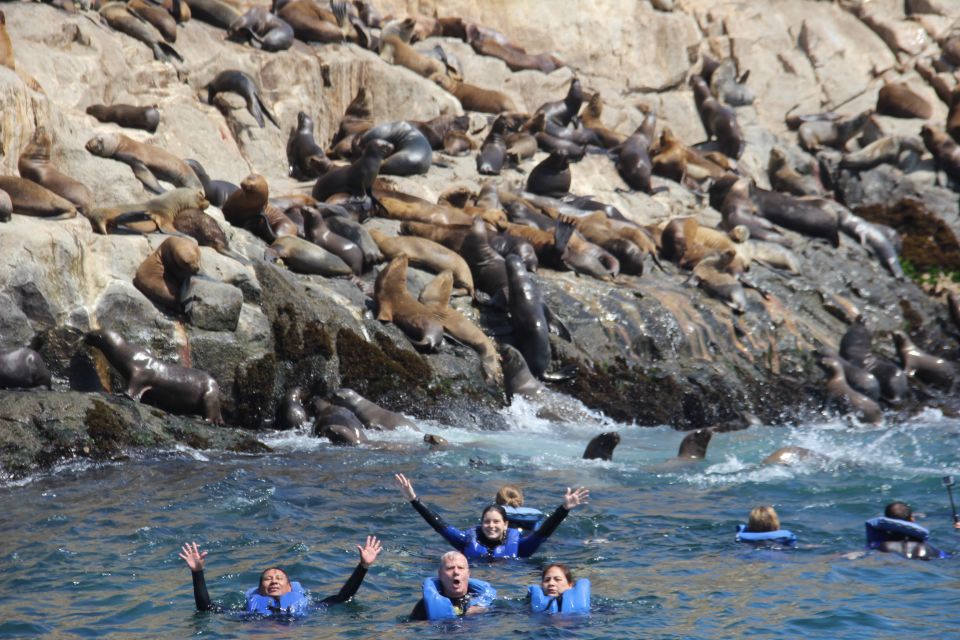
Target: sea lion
[[356, 179], [337, 424], [945, 151], [436, 129], [694, 445], [517, 378], [792, 455], [157, 214], [561, 112], [633, 156], [888, 149], [206, 231], [6, 46], [245, 204], [711, 275], [953, 307], [859, 378], [356, 119], [426, 253], [30, 199], [23, 368], [126, 115], [531, 319], [159, 17], [303, 256], [474, 98], [216, 191], [674, 160], [809, 216], [291, 414], [551, 177], [916, 363], [728, 86], [119, 17], [242, 84], [149, 163], [305, 156], [352, 230], [515, 58], [493, 151], [487, 266], [953, 115], [317, 232], [719, 121], [785, 178], [738, 209], [839, 391], [897, 99], [875, 238], [219, 14], [6, 206], [166, 385], [395, 49], [34, 164], [311, 22], [411, 155], [395, 304], [601, 447], [165, 272], [267, 31], [372, 415], [831, 133], [590, 118]]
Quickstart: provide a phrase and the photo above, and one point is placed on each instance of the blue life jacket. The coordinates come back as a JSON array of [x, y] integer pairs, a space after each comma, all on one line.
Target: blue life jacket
[[881, 529], [524, 517], [576, 599], [440, 607], [782, 537], [475, 549], [294, 603]]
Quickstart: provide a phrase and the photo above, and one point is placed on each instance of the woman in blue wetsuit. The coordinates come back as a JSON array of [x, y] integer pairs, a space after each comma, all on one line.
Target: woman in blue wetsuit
[[492, 538], [276, 593]]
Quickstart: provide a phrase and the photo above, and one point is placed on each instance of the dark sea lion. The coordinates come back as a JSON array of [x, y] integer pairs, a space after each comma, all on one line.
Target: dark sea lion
[[474, 98], [219, 14], [738, 209], [353, 230], [30, 199], [719, 121], [337, 424], [303, 256], [216, 191], [886, 150], [945, 151], [206, 231], [149, 163], [506, 244], [857, 343], [897, 99], [242, 84], [728, 86], [953, 307], [435, 440], [291, 414], [6, 206], [590, 118], [267, 31], [784, 177], [831, 133], [162, 276], [601, 447], [119, 17], [372, 415], [426, 253], [126, 115], [551, 177], [516, 59], [457, 143], [395, 304], [303, 153], [356, 179], [791, 455], [356, 119], [317, 232], [310, 22], [159, 17], [6, 46], [493, 151], [953, 115], [561, 112], [436, 129], [23, 368], [34, 164], [839, 391], [794, 121], [488, 267], [517, 378], [633, 156], [916, 363], [411, 155], [531, 319], [859, 378], [805, 216], [694, 445], [166, 385]]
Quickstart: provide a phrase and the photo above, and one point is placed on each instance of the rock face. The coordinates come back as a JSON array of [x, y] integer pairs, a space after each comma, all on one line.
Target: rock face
[[649, 349]]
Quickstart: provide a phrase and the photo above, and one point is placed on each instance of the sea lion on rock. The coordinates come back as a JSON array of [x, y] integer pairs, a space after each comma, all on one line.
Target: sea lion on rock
[[317, 232], [916, 363], [945, 151], [206, 231], [23, 368], [590, 118], [493, 151], [719, 121], [411, 155], [337, 424], [310, 21], [245, 204], [839, 391], [784, 177], [242, 84], [474, 98], [427, 253], [119, 17], [216, 191], [354, 231], [601, 447], [148, 162], [303, 256], [292, 414], [886, 150], [166, 385], [488, 267], [356, 179], [6, 46], [165, 272], [305, 156], [633, 156], [808, 216], [372, 415], [126, 115], [738, 209], [532, 320], [267, 31], [831, 133], [517, 378], [395, 49], [30, 199], [395, 304], [551, 177], [728, 86], [159, 17], [219, 14], [34, 164], [897, 99], [874, 237], [515, 58], [157, 214], [356, 119]]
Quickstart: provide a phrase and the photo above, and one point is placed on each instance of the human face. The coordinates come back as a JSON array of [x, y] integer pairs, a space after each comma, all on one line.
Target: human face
[[274, 582], [554, 582], [493, 525], [454, 577]]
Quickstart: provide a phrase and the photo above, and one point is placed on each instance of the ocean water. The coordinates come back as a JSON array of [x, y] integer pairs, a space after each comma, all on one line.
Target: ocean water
[[90, 550]]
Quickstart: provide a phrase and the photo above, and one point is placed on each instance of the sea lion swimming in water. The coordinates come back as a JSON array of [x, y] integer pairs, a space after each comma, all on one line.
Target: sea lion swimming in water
[[694, 445], [601, 447], [338, 424], [792, 455]]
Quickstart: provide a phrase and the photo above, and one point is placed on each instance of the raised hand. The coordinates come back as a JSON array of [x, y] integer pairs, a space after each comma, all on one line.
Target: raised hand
[[575, 497], [405, 486], [192, 555], [370, 551]]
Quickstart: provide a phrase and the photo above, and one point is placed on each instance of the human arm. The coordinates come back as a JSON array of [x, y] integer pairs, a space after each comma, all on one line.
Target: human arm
[[368, 554], [456, 537], [195, 559], [572, 499]]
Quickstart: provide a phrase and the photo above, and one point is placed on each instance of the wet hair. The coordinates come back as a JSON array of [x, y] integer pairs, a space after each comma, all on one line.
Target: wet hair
[[503, 514], [510, 495], [449, 555], [898, 511], [559, 565], [763, 519]]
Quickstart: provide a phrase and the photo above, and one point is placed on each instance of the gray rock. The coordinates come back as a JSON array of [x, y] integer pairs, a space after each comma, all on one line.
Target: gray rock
[[212, 305]]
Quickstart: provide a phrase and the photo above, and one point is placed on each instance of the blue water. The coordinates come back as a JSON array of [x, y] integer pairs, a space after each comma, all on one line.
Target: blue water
[[91, 550]]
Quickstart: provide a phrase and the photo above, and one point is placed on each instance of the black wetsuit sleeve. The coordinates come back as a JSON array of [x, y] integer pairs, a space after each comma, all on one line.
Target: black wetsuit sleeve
[[456, 537], [419, 611], [200, 595], [350, 588], [529, 543]]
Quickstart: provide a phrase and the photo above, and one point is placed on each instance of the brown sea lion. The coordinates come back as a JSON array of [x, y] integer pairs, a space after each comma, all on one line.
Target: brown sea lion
[[426, 253], [591, 120], [397, 50], [216, 12], [694, 444], [159, 17], [30, 199], [515, 57], [738, 209], [784, 177], [897, 99], [712, 274], [130, 116], [34, 164], [162, 275], [166, 385], [149, 163], [831, 133], [372, 415], [242, 206], [121, 18], [6, 46], [303, 256], [395, 304], [206, 231], [953, 115], [945, 151], [674, 160], [916, 363], [357, 119], [839, 391], [402, 206], [719, 121], [474, 98], [158, 213], [311, 22]]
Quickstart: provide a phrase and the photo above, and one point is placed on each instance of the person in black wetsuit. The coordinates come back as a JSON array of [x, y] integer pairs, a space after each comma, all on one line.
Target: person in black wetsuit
[[909, 546], [493, 538], [274, 582]]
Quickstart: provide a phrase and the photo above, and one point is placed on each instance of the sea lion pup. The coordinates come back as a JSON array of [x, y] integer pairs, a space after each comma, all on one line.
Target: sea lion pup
[[633, 156], [292, 414], [738, 209], [945, 151], [206, 231], [719, 121], [838, 391], [808, 216], [265, 30], [357, 119], [303, 256], [311, 22], [411, 155], [474, 98], [601, 447], [23, 368], [493, 151], [162, 276], [357, 178], [304, 155], [372, 415], [874, 237], [396, 305], [148, 162], [727, 86], [436, 298], [163, 384], [395, 49], [156, 15], [126, 115], [784, 177], [887, 150], [437, 129], [119, 17], [244, 205], [897, 99], [835, 133], [551, 177], [242, 84], [791, 455], [916, 363], [694, 445], [30, 199], [712, 275], [515, 57], [217, 191], [219, 14], [34, 164], [317, 232], [531, 319], [6, 46], [422, 252]]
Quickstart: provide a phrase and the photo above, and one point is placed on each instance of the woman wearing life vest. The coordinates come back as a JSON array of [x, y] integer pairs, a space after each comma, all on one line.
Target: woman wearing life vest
[[510, 497], [492, 538], [276, 593], [763, 528], [558, 593]]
